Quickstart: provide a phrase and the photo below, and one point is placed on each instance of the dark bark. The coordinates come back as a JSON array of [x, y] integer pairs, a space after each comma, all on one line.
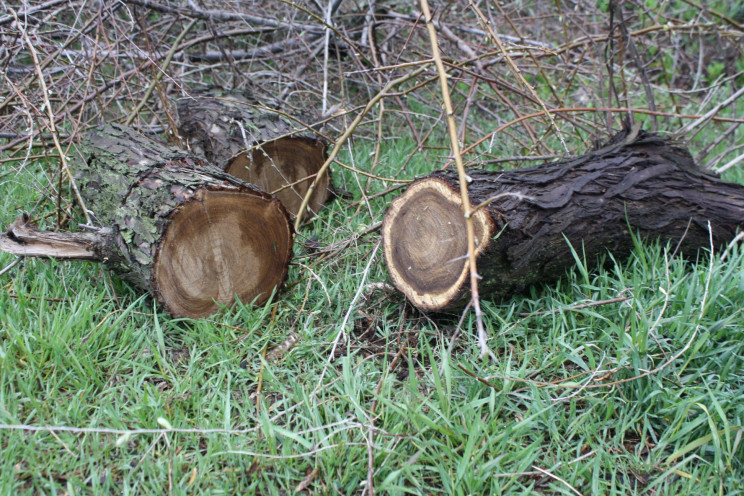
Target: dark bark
[[256, 145], [188, 232], [644, 185]]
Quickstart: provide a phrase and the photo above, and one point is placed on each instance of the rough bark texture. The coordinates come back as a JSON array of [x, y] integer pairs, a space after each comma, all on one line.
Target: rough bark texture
[[256, 145], [191, 234], [642, 184]]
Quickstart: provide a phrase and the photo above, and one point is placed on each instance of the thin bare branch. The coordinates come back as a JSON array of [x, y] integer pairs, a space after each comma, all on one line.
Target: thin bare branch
[[462, 177]]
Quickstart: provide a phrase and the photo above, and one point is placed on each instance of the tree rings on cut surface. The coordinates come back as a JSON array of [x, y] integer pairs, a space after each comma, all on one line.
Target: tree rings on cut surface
[[532, 222], [258, 145], [221, 245], [193, 235], [425, 243], [285, 167]]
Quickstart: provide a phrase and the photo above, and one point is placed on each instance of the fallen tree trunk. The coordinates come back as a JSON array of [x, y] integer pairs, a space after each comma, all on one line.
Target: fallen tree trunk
[[527, 217], [258, 146], [189, 233]]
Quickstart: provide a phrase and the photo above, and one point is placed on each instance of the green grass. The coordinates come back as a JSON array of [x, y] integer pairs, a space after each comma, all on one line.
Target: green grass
[[78, 348]]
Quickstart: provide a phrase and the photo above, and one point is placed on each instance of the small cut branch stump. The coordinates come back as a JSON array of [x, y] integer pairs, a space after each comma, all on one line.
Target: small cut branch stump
[[189, 233], [258, 146], [640, 184]]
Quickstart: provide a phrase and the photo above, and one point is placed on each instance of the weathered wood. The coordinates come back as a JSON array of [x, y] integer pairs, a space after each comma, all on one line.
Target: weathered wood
[[23, 239], [643, 184], [191, 234], [257, 145]]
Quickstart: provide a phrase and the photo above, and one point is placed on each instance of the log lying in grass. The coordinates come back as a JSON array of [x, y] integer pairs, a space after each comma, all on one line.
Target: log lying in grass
[[189, 233], [527, 217], [258, 146]]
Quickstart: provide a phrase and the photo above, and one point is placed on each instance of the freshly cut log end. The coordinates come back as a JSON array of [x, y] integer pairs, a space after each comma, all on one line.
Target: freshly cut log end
[[257, 145], [285, 167], [425, 243], [191, 234], [221, 245], [532, 221]]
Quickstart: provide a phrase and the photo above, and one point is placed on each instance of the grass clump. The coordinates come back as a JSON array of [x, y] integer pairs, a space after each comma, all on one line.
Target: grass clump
[[639, 396]]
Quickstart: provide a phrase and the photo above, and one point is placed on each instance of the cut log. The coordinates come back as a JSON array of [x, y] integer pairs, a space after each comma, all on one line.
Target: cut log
[[527, 218], [191, 234], [258, 146]]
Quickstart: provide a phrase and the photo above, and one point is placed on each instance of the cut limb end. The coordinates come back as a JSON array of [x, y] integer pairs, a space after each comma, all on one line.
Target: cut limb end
[[286, 167], [219, 246], [425, 243]]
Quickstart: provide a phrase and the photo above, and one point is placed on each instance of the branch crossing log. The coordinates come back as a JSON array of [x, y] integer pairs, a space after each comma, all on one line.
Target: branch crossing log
[[527, 217], [191, 234], [258, 146]]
